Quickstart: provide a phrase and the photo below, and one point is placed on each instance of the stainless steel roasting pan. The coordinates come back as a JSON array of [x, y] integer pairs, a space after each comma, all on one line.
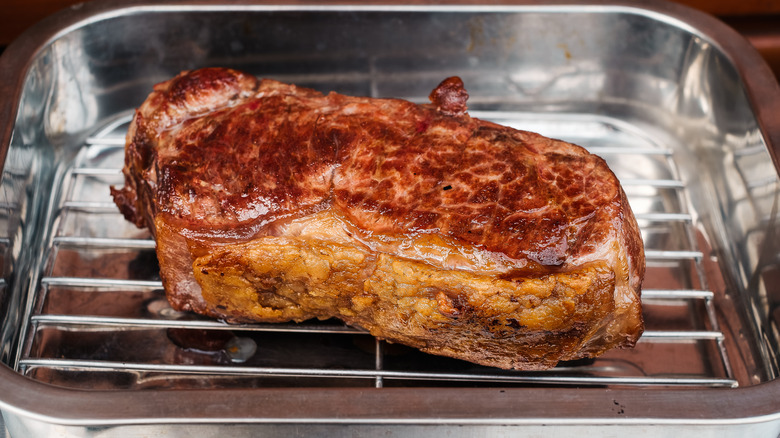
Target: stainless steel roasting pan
[[682, 108]]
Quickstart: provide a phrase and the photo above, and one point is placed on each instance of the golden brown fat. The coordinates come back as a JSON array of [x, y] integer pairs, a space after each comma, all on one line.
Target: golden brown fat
[[521, 324]]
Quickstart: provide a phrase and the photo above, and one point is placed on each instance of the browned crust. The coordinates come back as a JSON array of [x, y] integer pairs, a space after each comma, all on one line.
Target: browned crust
[[389, 165]]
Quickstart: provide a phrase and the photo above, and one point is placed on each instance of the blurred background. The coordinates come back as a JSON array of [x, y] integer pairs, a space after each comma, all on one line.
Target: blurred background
[[757, 20]]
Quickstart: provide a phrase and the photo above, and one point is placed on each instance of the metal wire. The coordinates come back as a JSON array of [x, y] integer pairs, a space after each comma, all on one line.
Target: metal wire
[[110, 137]]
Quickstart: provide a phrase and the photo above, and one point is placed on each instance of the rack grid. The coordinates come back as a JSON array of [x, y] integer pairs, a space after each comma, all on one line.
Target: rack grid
[[98, 317]]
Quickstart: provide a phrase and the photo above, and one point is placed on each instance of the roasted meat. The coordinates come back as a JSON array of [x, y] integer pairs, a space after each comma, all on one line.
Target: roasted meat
[[427, 227]]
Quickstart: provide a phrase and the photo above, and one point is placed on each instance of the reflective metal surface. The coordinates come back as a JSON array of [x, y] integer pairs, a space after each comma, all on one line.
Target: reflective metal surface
[[683, 110]]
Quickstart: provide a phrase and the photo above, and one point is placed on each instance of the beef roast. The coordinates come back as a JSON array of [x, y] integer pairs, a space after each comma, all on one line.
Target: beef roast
[[427, 227]]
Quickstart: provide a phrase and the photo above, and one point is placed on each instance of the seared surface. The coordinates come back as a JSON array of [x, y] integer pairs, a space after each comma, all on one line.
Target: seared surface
[[417, 222]]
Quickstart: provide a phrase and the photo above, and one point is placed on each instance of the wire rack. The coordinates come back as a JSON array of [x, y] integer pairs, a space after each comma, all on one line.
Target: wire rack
[[98, 317]]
